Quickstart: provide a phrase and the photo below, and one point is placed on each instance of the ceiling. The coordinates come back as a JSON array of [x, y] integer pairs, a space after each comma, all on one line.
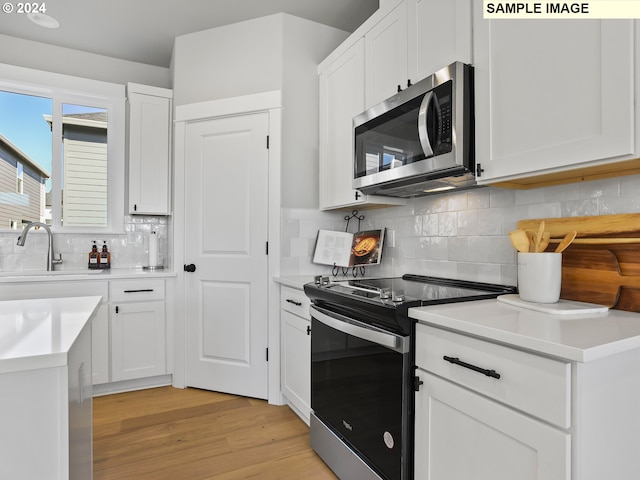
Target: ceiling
[[143, 30]]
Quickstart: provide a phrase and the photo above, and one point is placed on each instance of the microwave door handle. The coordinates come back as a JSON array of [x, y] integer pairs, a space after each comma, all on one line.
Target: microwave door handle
[[422, 124], [380, 338]]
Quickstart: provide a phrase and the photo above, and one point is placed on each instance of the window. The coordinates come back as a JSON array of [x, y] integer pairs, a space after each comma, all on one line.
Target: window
[[19, 178], [62, 137]]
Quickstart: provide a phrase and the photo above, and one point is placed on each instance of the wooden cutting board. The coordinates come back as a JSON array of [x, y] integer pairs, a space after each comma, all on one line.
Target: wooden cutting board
[[596, 226], [603, 265]]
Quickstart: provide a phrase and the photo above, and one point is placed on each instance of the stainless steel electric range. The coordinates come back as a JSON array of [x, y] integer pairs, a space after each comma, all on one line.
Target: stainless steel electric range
[[362, 368]]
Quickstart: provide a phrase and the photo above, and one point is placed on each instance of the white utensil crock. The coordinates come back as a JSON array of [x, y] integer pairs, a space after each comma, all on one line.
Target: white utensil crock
[[539, 276]]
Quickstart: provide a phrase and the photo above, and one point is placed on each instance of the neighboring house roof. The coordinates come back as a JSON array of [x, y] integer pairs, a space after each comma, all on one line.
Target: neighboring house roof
[[95, 119], [23, 157]]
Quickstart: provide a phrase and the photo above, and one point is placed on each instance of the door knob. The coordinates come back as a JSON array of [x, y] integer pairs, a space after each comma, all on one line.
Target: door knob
[[190, 268]]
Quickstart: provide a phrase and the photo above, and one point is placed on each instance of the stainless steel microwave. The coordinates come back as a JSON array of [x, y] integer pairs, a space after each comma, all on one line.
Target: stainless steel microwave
[[421, 140]]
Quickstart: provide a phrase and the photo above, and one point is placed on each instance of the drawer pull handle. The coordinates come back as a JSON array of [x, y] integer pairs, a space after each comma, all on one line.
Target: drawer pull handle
[[484, 371], [138, 291], [297, 304]]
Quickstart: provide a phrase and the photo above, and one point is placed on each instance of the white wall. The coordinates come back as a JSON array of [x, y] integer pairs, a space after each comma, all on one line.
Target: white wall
[[40, 56], [306, 44], [276, 52], [229, 61]]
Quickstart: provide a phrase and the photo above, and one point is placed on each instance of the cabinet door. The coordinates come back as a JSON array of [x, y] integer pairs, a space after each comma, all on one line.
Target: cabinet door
[[80, 407], [296, 362], [386, 56], [341, 99], [461, 435], [138, 340], [149, 153], [100, 346], [551, 96], [439, 34]]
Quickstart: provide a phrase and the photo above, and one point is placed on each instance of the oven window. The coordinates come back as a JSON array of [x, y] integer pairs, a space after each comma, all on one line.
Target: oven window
[[357, 390]]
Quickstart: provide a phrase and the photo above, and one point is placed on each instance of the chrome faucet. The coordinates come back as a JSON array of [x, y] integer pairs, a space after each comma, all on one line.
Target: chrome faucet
[[23, 237]]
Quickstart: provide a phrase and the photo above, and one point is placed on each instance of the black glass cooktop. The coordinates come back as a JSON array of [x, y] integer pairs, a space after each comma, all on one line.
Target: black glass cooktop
[[414, 289], [384, 302]]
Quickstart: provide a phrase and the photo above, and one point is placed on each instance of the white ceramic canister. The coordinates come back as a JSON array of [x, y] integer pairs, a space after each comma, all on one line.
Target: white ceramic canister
[[539, 276]]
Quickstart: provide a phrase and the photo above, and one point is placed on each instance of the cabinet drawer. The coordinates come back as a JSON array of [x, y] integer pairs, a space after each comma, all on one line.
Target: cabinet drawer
[[136, 290], [536, 385], [294, 301]]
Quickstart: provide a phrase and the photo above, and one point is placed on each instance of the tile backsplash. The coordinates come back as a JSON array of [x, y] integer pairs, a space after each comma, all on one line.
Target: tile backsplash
[[460, 235], [128, 250]]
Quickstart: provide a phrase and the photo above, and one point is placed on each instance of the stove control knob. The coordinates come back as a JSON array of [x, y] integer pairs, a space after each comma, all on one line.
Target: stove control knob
[[398, 296], [385, 293]]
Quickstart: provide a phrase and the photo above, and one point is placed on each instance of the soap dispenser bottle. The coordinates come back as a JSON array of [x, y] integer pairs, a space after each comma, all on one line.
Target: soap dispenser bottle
[[105, 257], [94, 257]]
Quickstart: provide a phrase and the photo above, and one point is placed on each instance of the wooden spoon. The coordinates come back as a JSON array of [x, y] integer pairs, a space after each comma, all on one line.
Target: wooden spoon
[[544, 243], [520, 240], [539, 237], [532, 240], [566, 241]]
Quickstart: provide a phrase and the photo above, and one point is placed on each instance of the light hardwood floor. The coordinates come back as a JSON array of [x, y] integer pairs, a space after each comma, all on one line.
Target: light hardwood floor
[[169, 433]]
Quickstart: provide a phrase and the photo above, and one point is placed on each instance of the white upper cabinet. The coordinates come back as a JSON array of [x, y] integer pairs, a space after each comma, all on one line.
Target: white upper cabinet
[[149, 139], [412, 41], [386, 56], [399, 45], [341, 98], [439, 34], [552, 96]]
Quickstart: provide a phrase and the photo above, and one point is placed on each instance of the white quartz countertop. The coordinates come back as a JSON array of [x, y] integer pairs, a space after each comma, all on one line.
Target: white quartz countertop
[[295, 281], [581, 337], [38, 333], [88, 275]]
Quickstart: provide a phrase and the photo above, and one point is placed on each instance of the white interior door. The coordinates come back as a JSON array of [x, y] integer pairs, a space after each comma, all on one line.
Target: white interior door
[[226, 211]]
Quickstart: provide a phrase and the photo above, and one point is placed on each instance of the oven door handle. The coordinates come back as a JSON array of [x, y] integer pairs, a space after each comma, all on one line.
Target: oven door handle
[[353, 327]]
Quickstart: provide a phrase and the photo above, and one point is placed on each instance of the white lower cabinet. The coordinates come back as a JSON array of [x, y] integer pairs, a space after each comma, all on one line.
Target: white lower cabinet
[[100, 324], [462, 435], [128, 328], [138, 329], [100, 346], [295, 328], [80, 407], [489, 412], [47, 419]]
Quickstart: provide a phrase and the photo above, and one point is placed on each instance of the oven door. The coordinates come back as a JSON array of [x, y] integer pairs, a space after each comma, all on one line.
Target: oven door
[[360, 390]]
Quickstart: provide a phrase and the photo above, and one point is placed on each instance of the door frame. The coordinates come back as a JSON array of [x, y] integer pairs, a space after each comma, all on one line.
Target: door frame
[[271, 103]]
